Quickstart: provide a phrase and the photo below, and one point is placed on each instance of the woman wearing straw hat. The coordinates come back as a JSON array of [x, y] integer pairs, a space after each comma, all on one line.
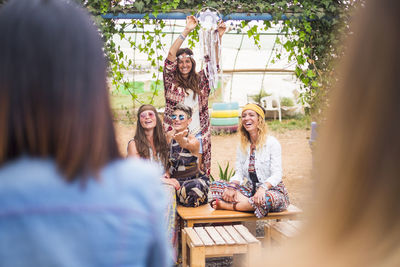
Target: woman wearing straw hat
[[257, 184]]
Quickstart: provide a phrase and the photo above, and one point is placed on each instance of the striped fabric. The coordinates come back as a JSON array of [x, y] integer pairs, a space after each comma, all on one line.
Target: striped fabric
[[194, 183], [276, 199]]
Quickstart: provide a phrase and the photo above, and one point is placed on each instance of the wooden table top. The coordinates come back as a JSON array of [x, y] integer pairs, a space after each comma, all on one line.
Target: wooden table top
[[206, 212]]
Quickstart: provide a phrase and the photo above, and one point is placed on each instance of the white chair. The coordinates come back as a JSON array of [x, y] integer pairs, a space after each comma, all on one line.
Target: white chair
[[267, 103]]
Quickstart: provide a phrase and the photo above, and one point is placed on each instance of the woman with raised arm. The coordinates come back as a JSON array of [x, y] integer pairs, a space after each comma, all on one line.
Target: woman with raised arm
[[184, 160], [257, 184], [183, 85], [67, 196]]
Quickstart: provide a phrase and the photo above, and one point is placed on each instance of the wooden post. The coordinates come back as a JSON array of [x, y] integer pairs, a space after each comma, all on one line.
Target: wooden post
[[197, 257], [252, 226], [267, 235], [253, 254], [239, 260], [184, 245]]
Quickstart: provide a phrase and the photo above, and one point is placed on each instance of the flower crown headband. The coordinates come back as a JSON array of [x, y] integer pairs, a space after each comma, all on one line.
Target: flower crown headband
[[185, 56]]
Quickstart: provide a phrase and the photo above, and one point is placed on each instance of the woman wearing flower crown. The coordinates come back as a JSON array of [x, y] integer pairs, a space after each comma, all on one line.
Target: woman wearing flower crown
[[183, 85]]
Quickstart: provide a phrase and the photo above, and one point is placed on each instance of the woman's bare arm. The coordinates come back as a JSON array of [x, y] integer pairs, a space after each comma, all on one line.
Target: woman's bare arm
[[221, 30], [132, 151], [191, 23]]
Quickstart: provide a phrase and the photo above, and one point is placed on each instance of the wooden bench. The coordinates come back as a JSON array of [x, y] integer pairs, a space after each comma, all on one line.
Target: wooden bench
[[219, 241], [206, 214], [279, 232]]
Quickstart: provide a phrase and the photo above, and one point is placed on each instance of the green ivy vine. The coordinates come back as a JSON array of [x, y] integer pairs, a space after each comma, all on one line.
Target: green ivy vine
[[312, 35]]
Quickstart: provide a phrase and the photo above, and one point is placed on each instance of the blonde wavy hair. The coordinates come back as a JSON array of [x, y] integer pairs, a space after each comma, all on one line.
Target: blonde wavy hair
[[245, 136]]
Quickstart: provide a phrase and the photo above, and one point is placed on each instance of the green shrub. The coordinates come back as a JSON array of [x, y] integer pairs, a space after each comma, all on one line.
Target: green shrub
[[257, 97], [287, 102], [298, 122]]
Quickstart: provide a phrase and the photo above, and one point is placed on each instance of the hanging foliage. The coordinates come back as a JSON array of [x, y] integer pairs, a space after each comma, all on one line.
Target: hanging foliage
[[313, 31]]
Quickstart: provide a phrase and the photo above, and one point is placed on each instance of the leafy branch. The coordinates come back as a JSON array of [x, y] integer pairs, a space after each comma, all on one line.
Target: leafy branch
[[311, 36]]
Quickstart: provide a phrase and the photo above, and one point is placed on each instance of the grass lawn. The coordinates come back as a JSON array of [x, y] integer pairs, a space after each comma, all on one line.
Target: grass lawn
[[123, 105], [299, 122]]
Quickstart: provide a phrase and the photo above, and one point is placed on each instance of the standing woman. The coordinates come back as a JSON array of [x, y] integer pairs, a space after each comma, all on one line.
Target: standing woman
[[183, 85], [67, 197], [257, 185]]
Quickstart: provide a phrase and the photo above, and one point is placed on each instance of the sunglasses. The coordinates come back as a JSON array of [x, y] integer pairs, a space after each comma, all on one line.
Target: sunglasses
[[149, 113], [174, 117]]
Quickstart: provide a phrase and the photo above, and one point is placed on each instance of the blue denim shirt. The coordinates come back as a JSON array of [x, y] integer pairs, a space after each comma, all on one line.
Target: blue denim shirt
[[114, 221]]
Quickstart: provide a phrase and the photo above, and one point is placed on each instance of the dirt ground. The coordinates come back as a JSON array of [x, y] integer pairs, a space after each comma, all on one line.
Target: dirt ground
[[296, 158]]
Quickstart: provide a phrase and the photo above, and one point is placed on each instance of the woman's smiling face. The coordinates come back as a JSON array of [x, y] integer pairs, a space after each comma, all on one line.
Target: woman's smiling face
[[148, 119], [180, 120], [184, 65], [250, 120]]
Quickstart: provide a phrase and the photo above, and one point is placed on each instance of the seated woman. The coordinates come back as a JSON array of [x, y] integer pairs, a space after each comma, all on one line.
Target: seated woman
[[257, 185], [150, 143], [184, 160]]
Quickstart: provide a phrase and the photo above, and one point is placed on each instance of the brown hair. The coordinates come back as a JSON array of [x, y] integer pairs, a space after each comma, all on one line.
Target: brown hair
[[159, 139], [53, 91], [184, 108], [262, 133], [192, 82], [355, 221]]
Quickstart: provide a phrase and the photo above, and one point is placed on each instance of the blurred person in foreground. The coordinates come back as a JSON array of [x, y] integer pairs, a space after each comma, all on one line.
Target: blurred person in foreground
[[356, 217], [66, 196]]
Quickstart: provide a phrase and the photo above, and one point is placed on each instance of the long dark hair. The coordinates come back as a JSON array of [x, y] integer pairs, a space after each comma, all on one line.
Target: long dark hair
[[192, 82], [53, 91], [159, 139]]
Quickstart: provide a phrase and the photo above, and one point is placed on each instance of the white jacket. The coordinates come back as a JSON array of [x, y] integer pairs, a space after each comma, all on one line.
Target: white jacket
[[268, 163]]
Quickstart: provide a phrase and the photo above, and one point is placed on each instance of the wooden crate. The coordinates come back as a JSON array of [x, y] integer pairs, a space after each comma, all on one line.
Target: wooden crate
[[198, 243]]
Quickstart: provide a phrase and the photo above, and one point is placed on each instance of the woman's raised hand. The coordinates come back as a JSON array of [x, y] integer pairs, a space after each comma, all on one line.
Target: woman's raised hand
[[180, 135], [221, 28], [191, 23]]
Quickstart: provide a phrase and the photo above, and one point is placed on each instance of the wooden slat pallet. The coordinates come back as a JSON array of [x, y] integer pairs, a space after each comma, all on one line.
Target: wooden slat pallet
[[278, 232], [219, 241]]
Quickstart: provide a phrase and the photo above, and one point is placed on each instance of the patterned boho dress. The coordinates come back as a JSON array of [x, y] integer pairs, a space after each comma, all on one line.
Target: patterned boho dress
[[175, 94], [276, 198], [194, 183]]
